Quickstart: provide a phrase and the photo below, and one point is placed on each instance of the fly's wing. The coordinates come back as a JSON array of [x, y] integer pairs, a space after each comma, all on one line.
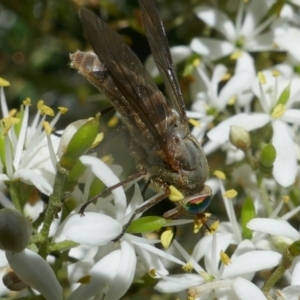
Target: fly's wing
[[129, 76], [159, 45]]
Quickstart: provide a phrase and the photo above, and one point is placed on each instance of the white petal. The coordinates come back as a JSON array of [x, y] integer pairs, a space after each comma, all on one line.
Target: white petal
[[125, 272], [3, 260], [255, 11], [79, 269], [3, 177], [296, 274], [285, 165], [218, 20], [32, 178], [178, 283], [245, 63], [243, 247], [246, 290], [107, 176], [178, 53], [36, 272], [158, 252], [92, 229], [290, 41], [21, 138], [220, 133], [274, 227], [211, 48], [151, 261], [292, 292], [203, 247], [252, 261], [237, 83], [263, 42], [292, 116], [219, 242], [136, 201], [101, 275]]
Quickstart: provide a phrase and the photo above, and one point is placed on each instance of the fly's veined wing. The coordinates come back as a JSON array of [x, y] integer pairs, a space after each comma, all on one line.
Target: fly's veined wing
[[129, 75], [159, 45]]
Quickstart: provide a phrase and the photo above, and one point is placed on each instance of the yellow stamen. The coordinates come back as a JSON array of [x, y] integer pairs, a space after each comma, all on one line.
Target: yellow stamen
[[98, 139], [276, 73], [195, 123], [225, 258], [196, 62], [278, 111], [113, 122], [85, 279], [4, 82], [213, 227], [226, 76], [261, 78], [47, 127], [166, 237], [197, 225], [285, 198], [62, 109], [232, 100], [152, 273], [46, 110], [40, 104], [220, 174], [12, 112], [188, 268], [207, 277], [108, 159], [8, 123], [175, 195], [27, 101], [235, 55], [230, 194]]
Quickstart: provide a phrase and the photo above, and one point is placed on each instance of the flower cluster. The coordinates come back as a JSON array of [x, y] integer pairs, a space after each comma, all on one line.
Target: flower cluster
[[247, 116]]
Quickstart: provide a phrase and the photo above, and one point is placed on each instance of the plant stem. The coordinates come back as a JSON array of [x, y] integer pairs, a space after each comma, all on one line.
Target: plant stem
[[53, 207], [277, 274], [13, 190]]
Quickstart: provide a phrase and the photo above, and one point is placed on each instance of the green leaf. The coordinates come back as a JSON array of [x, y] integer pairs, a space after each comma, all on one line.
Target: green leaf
[[248, 213], [284, 96], [146, 224]]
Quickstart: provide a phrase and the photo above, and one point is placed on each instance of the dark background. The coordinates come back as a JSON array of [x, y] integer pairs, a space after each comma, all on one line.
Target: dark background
[[36, 38]]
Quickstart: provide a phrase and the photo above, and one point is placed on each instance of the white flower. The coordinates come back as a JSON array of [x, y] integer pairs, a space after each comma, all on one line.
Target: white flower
[[26, 151], [289, 40], [210, 100], [247, 34], [276, 97]]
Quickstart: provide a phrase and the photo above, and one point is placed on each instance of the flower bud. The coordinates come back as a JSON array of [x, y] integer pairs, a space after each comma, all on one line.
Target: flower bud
[[267, 156], [12, 281], [15, 230], [81, 141], [239, 137]]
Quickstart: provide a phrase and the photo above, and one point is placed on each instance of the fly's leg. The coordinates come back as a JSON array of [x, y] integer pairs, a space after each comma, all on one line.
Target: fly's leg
[[148, 204], [108, 189]]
